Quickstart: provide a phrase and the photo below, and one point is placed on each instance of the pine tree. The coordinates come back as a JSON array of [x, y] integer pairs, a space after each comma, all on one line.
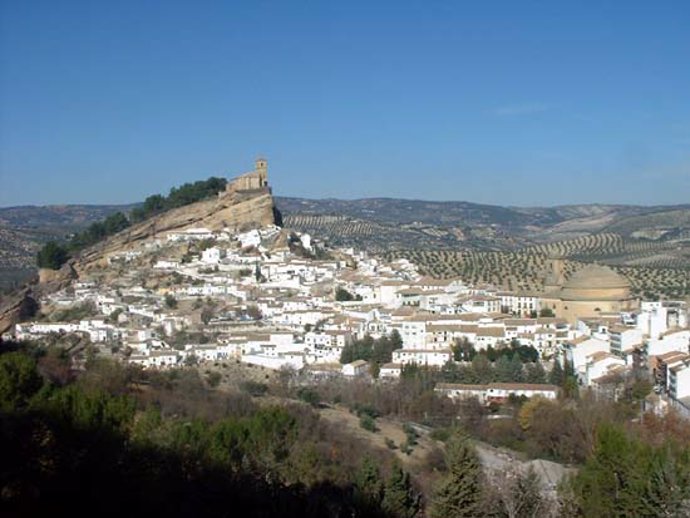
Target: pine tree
[[347, 355], [516, 372], [527, 494], [614, 478], [400, 499], [535, 373], [369, 486], [459, 494], [557, 376], [503, 370]]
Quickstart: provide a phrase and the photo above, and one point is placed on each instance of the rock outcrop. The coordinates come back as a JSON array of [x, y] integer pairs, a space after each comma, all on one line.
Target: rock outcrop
[[234, 211], [17, 307]]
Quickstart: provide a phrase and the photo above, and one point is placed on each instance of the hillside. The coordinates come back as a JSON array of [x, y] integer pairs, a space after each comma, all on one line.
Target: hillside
[[509, 246], [23, 230], [634, 237], [471, 225]]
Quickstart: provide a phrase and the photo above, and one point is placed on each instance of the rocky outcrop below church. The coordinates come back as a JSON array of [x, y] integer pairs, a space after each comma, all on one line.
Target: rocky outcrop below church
[[234, 211]]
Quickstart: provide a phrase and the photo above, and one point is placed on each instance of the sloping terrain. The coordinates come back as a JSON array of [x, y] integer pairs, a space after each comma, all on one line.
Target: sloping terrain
[[526, 270], [474, 226], [57, 216], [23, 230], [625, 236]]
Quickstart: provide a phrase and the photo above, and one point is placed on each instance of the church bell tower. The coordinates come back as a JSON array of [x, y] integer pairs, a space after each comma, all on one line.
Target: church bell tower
[[261, 169]]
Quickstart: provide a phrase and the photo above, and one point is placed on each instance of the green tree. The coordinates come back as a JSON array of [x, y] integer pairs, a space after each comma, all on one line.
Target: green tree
[[52, 255], [369, 486], [309, 395], [516, 369], [612, 482], [459, 493], [368, 423], [557, 376], [382, 350], [214, 378], [19, 380], [463, 350], [28, 308], [342, 295], [534, 373], [503, 370], [374, 369], [170, 301], [206, 315], [395, 339], [358, 350], [483, 371], [115, 223], [400, 499]]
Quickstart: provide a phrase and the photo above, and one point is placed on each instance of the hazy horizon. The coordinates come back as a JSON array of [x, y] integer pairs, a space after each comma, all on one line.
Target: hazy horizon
[[420, 200]]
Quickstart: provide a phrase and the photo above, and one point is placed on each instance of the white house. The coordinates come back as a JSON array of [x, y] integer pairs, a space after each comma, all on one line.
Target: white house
[[496, 392], [355, 368], [211, 255], [599, 366], [676, 340], [624, 340], [390, 371], [156, 359], [679, 381], [431, 357], [577, 351]]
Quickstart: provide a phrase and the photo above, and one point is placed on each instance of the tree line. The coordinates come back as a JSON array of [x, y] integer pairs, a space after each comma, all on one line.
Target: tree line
[[116, 440], [378, 351], [54, 254], [95, 442]]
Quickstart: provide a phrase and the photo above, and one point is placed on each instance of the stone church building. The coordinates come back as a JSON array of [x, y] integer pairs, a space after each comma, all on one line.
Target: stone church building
[[589, 292], [256, 180]]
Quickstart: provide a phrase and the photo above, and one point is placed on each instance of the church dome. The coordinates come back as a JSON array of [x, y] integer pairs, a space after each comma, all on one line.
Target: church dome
[[595, 282]]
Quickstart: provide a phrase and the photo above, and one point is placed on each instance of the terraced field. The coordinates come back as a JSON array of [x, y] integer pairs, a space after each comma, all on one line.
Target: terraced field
[[373, 236], [379, 236], [614, 249], [655, 267], [526, 270]]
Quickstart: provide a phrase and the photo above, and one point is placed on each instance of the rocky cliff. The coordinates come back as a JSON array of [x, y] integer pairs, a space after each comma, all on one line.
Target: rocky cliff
[[233, 210]]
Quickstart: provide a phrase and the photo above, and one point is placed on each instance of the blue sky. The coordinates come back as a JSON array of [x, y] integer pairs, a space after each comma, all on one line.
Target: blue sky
[[512, 103]]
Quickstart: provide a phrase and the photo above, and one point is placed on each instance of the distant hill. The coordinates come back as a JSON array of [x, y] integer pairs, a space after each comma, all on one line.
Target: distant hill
[[399, 223], [24, 229], [509, 246], [58, 216], [653, 236]]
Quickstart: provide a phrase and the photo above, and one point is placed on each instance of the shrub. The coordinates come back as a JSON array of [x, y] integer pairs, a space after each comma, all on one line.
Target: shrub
[[213, 379], [411, 434], [406, 448], [254, 388], [309, 395], [368, 423]]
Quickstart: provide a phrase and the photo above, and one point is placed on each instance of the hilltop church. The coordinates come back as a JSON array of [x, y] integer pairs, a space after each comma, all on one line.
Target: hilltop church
[[256, 180]]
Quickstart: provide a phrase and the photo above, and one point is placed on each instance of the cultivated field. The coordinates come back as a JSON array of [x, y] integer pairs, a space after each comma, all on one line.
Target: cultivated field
[[526, 270]]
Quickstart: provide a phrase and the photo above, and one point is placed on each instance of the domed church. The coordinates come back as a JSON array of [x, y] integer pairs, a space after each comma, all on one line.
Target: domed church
[[593, 290]]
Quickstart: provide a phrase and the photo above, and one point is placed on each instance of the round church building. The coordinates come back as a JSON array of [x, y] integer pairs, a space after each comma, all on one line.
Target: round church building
[[593, 290]]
